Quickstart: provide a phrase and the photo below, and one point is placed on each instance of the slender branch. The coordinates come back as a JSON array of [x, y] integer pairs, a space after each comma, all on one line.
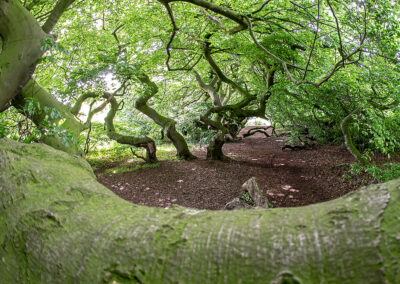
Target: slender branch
[[215, 8], [173, 34], [313, 45], [262, 7], [114, 33], [341, 51], [87, 142]]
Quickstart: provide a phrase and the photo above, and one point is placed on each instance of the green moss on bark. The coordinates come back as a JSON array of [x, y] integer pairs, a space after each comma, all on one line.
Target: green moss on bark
[[22, 36], [59, 225]]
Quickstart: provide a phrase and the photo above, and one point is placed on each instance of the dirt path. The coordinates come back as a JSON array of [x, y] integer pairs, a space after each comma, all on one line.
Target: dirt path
[[288, 178]]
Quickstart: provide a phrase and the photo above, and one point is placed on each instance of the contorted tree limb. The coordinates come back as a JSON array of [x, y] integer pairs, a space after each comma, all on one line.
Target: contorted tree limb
[[57, 228], [236, 113], [149, 91], [144, 142], [350, 52], [239, 109], [262, 130], [224, 131], [168, 124], [22, 39], [345, 126]]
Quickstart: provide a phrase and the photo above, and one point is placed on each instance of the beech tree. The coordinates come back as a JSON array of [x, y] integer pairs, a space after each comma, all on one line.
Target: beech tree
[[58, 228], [326, 65], [298, 46], [302, 44]]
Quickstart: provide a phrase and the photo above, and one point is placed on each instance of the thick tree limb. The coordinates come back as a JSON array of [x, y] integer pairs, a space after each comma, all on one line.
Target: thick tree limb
[[21, 36], [209, 89], [59, 225], [35, 92], [22, 41]]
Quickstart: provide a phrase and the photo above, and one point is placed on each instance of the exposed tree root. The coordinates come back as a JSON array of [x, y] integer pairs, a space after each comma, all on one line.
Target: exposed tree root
[[261, 129]]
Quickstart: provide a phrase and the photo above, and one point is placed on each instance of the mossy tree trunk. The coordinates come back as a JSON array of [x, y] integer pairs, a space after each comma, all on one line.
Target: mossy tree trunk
[[214, 148], [59, 225], [348, 141], [22, 36], [168, 124], [22, 39]]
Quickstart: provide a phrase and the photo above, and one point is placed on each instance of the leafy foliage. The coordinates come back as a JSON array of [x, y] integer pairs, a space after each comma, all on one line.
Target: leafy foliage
[[382, 173], [304, 65]]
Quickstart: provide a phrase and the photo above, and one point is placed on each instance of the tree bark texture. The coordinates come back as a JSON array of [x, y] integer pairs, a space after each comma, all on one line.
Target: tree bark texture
[[59, 225], [22, 36], [22, 39]]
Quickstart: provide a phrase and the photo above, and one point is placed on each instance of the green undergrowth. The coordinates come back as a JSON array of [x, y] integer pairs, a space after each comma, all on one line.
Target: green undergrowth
[[381, 173], [121, 156]]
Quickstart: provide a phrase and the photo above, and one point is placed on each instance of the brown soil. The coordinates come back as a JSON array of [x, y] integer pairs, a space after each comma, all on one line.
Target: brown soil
[[288, 178]]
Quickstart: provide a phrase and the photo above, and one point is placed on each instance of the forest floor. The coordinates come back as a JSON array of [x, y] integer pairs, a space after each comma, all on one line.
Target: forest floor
[[287, 178]]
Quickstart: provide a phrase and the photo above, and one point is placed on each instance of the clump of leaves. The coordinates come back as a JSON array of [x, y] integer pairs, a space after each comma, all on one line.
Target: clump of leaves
[[50, 125], [48, 44], [381, 173], [247, 198]]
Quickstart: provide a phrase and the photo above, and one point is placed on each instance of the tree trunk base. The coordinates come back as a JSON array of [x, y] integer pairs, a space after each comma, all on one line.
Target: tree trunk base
[[214, 149], [151, 152]]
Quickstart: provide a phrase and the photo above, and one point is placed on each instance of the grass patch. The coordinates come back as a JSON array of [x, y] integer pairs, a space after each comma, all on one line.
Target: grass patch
[[126, 168]]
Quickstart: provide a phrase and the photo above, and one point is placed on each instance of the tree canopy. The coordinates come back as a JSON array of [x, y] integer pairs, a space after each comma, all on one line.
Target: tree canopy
[[324, 67]]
